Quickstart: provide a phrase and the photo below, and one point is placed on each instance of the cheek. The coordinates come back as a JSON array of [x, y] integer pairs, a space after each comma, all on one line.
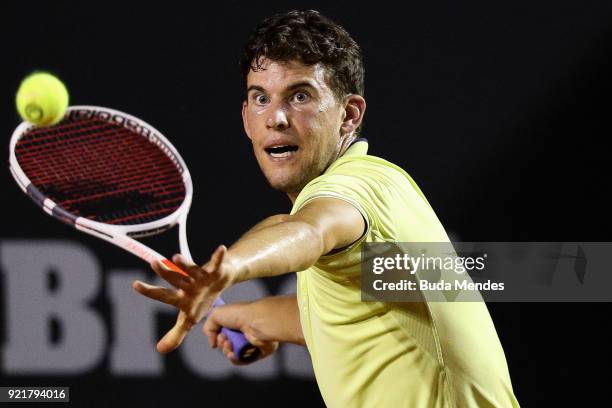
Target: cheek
[[257, 111], [255, 116], [256, 123], [311, 122]]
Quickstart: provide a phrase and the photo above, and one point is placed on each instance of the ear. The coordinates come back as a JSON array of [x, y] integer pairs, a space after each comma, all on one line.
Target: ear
[[245, 120], [354, 110]]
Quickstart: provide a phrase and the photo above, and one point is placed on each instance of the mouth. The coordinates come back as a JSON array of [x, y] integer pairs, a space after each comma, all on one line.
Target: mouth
[[282, 151]]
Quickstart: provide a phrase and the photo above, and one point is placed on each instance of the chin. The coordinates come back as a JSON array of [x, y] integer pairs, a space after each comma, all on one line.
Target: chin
[[287, 180], [286, 185]]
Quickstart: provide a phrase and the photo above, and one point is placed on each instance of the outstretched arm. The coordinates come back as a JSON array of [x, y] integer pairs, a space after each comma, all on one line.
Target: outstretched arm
[[294, 243], [298, 241]]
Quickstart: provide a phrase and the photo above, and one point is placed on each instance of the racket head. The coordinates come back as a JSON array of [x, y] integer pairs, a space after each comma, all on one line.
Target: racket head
[[102, 171]]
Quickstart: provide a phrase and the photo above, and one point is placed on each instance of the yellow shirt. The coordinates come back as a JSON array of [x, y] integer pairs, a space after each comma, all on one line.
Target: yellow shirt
[[383, 354]]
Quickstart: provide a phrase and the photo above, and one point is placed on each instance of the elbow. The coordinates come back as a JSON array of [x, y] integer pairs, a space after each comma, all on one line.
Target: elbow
[[312, 238], [316, 238], [299, 338]]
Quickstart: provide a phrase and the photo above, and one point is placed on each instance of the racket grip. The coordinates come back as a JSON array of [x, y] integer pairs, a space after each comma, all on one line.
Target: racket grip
[[241, 347]]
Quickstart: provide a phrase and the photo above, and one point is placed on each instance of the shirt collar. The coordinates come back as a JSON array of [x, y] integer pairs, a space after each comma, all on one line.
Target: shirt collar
[[357, 148]]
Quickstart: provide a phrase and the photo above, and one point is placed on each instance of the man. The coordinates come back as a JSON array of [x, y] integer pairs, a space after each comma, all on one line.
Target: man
[[303, 111]]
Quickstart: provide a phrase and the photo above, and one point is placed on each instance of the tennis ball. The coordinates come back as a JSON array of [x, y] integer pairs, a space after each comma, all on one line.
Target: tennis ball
[[42, 99]]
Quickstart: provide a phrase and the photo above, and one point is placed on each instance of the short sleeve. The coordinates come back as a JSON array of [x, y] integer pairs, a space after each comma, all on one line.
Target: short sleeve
[[355, 190]]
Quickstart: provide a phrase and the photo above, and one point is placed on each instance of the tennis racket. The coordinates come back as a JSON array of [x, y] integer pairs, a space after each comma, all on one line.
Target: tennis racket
[[112, 176]]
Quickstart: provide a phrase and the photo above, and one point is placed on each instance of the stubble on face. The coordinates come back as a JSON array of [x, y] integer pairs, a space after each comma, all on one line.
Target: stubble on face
[[290, 106]]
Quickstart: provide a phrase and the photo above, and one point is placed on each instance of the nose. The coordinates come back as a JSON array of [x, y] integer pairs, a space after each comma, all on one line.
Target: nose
[[277, 118]]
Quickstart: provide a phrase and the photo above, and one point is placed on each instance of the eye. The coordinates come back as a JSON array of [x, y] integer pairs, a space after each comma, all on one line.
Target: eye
[[301, 97], [261, 99]]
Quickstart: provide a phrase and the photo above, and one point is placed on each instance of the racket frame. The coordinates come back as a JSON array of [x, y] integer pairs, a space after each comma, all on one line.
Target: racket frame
[[120, 235]]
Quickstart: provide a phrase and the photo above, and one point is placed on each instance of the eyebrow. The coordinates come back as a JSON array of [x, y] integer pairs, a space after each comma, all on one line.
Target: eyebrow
[[301, 84]]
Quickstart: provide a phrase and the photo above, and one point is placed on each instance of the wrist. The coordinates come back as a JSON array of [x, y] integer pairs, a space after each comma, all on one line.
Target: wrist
[[235, 267]]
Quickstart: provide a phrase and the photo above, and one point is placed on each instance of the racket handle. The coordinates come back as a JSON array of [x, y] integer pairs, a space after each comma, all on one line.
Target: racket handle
[[241, 347]]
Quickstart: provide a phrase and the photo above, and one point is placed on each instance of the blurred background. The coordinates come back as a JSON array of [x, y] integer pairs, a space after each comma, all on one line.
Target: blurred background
[[500, 112]]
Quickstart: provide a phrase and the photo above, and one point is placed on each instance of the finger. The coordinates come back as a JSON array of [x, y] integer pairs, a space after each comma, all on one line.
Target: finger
[[216, 259], [176, 335], [211, 329], [159, 266], [234, 360], [218, 341], [211, 333], [229, 316], [227, 347], [253, 340], [221, 340], [158, 293], [177, 280], [169, 265], [185, 264], [228, 351], [232, 316]]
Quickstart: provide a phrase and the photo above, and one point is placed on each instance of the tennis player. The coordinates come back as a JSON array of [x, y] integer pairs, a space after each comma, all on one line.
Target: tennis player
[[303, 112]]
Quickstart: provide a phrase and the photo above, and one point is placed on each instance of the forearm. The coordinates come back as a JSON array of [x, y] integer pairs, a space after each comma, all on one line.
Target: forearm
[[276, 249], [277, 318]]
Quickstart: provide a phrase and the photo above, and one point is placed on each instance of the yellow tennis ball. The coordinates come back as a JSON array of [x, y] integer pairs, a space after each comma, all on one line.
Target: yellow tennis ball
[[42, 99]]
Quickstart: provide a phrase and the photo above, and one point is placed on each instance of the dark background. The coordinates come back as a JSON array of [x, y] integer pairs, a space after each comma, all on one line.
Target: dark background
[[499, 111]]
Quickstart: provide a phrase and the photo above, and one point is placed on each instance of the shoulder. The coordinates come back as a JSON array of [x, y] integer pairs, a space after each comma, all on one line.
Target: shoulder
[[369, 182], [365, 181], [366, 167], [369, 176]]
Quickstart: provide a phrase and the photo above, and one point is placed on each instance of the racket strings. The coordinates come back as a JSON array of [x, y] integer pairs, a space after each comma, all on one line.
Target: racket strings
[[101, 171]]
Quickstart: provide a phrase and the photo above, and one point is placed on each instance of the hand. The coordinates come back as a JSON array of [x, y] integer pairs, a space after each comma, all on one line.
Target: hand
[[236, 316], [194, 293]]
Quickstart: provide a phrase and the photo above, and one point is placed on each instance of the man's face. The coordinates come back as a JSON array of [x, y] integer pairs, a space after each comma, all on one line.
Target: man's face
[[293, 121]]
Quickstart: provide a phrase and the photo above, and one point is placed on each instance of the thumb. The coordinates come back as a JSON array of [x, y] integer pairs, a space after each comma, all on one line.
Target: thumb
[[175, 336], [231, 316], [216, 259], [255, 341]]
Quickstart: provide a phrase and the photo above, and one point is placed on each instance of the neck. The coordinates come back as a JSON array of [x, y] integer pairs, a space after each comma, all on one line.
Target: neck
[[343, 144]]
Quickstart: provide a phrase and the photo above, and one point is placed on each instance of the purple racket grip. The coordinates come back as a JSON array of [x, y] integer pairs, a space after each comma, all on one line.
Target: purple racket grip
[[241, 347]]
